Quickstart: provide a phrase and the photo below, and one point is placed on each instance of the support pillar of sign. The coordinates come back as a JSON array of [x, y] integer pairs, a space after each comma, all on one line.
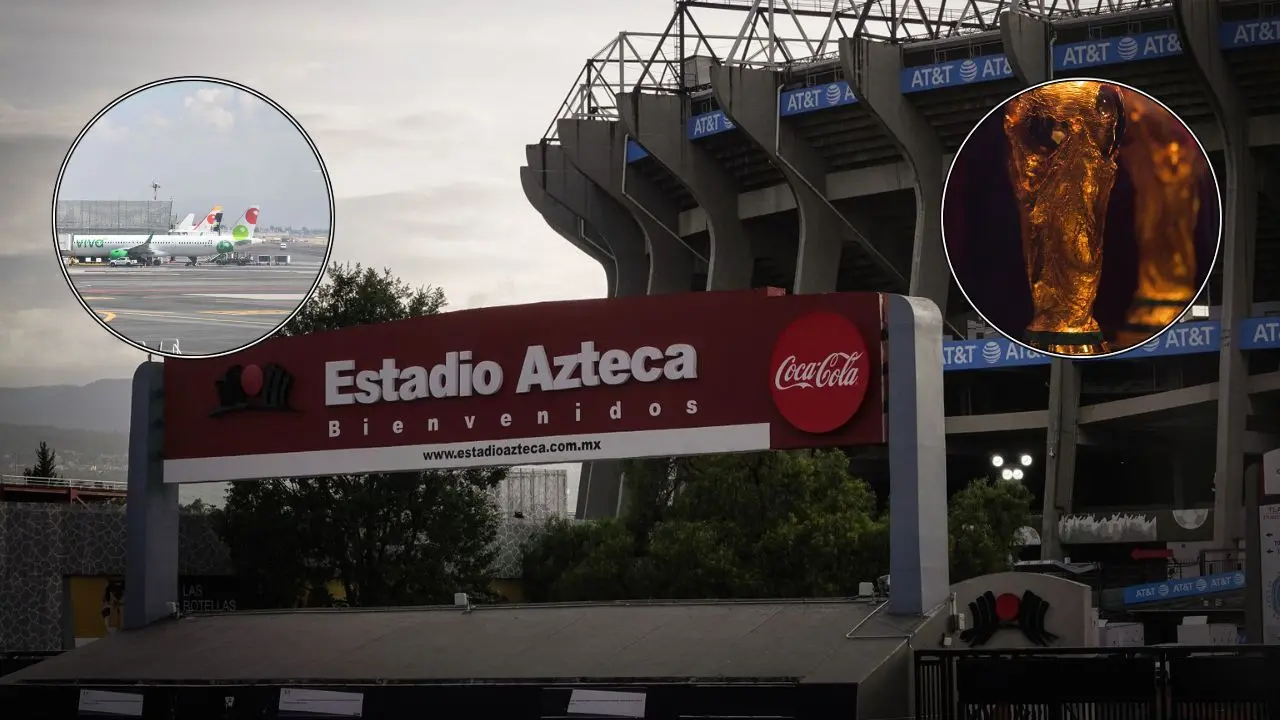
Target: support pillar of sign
[[872, 70], [750, 98], [151, 509], [1198, 24], [657, 122], [570, 226], [566, 184], [918, 552], [598, 148], [1026, 44]]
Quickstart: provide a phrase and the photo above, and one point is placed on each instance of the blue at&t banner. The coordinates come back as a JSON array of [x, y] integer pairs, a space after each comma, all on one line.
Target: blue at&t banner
[[635, 152], [1109, 51], [1183, 588], [818, 97], [955, 73], [1250, 33], [707, 124], [1189, 338]]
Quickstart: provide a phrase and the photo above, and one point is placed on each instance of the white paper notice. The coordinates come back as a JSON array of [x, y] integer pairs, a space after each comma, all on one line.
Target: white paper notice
[[1269, 537], [607, 703]]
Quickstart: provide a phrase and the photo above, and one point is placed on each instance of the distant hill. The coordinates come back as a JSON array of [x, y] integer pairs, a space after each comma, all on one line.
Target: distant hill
[[101, 406], [82, 454]]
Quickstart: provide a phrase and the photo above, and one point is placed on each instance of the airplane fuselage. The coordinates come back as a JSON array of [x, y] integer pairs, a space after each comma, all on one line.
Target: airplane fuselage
[[122, 246]]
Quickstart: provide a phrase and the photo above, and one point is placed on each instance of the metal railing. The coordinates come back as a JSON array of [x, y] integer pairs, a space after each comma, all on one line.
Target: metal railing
[[62, 483], [1151, 683], [783, 34]]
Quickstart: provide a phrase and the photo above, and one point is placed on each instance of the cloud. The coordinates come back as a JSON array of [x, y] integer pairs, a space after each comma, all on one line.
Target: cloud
[[41, 122], [206, 105]]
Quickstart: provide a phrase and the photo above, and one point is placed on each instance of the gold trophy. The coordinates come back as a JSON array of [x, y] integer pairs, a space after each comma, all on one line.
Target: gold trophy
[[1167, 168], [1064, 140]]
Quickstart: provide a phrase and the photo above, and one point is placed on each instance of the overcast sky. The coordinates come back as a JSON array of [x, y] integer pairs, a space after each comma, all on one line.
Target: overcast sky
[[422, 129], [205, 144]]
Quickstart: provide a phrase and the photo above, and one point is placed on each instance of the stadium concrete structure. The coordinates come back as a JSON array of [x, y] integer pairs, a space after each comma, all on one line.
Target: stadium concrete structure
[[818, 164]]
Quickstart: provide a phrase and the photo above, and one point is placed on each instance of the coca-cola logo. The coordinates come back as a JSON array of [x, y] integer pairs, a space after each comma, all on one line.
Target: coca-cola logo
[[820, 372]]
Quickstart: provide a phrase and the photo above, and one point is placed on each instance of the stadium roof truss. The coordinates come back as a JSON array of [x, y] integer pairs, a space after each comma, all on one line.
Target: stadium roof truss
[[781, 34]]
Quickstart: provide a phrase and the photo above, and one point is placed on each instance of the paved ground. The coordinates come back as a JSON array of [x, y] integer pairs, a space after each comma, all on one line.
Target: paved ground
[[205, 310]]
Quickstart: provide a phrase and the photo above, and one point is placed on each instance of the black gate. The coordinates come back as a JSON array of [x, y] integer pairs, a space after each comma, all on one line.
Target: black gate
[[1141, 683]]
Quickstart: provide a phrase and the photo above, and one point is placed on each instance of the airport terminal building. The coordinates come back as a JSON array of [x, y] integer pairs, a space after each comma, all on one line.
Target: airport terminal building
[[825, 172]]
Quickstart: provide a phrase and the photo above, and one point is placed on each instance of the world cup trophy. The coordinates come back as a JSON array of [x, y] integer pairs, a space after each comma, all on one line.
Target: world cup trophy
[[1064, 140], [1167, 169]]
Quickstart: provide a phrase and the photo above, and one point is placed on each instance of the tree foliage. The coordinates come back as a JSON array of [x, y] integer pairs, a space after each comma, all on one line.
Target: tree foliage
[[46, 466], [984, 520], [774, 524], [384, 539]]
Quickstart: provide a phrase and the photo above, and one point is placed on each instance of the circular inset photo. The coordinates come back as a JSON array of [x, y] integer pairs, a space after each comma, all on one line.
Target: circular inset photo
[[193, 217], [1081, 218]]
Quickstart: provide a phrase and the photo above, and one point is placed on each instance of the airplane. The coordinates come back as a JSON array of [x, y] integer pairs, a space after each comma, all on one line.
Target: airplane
[[149, 249], [209, 223], [187, 223]]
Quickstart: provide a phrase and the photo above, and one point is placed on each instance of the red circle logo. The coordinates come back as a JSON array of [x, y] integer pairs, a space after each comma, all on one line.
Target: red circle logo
[[1007, 606], [251, 216], [251, 380], [820, 372]]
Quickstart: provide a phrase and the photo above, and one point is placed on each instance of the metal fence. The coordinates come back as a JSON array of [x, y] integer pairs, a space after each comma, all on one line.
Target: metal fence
[[64, 483], [533, 493], [1141, 683], [114, 216]]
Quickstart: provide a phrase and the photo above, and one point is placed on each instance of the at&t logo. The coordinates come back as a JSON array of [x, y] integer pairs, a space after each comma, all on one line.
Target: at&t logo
[[820, 372]]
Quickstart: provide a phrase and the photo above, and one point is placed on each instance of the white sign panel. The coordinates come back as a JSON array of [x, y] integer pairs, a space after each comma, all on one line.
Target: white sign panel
[[1271, 473], [1269, 585]]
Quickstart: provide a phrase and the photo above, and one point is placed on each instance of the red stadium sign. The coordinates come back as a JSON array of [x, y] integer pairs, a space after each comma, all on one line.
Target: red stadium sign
[[665, 375]]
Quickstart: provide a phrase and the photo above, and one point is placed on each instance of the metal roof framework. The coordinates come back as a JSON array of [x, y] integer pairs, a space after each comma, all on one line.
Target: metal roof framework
[[781, 34]]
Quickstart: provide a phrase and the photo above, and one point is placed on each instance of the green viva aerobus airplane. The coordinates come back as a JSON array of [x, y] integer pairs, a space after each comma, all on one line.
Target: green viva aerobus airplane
[[149, 249]]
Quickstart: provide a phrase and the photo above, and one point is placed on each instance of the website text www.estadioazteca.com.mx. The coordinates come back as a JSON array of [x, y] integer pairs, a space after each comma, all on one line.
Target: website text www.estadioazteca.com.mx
[[484, 450]]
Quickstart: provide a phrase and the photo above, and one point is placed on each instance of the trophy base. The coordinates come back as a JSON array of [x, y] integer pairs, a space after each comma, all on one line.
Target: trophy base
[[1147, 318], [1060, 343]]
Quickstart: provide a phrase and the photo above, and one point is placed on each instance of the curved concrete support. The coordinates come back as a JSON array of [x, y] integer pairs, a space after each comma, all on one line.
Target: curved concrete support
[[872, 70], [657, 122], [1198, 22], [598, 149], [1026, 42], [750, 98], [565, 184], [569, 225]]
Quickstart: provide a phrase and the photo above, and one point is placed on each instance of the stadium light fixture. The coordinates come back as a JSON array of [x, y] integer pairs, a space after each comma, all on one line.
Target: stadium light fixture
[[997, 460], [1017, 473], [1025, 460], [1006, 474]]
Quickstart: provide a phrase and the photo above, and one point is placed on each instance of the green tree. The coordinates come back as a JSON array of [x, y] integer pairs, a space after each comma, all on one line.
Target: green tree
[[773, 524], [984, 520], [388, 539], [46, 466]]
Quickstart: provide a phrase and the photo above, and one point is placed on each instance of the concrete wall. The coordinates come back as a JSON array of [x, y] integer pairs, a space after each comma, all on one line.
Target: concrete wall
[[1070, 615], [41, 544]]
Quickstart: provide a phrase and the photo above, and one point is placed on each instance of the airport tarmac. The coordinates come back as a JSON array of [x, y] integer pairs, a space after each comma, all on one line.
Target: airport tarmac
[[201, 310]]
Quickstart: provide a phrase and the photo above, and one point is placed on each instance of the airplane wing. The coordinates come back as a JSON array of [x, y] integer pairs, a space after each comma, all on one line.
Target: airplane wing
[[145, 250]]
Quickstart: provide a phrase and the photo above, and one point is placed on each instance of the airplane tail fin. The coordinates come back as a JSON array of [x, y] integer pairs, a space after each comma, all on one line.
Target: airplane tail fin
[[243, 229], [187, 223], [210, 221]]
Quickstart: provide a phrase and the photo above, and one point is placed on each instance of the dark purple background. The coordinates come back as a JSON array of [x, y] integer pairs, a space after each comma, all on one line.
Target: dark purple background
[[980, 218]]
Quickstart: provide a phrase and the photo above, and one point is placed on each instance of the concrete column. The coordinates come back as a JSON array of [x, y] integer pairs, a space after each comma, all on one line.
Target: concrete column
[[873, 70], [151, 508], [750, 98], [598, 149], [918, 554], [657, 122], [570, 226], [1026, 43], [566, 184], [1198, 23]]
